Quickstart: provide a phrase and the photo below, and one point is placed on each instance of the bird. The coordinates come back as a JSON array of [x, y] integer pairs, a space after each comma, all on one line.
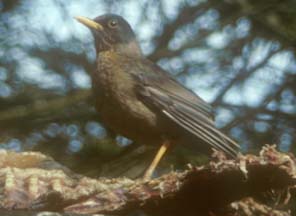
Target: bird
[[137, 99]]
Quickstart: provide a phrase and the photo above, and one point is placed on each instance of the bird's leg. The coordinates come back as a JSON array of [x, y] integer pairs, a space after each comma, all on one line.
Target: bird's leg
[[163, 148]]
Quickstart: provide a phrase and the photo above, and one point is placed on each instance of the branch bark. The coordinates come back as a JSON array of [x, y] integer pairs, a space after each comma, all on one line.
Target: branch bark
[[34, 181]]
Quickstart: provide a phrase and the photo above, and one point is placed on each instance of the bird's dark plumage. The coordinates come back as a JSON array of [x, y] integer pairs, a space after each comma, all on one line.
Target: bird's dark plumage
[[139, 100], [161, 92]]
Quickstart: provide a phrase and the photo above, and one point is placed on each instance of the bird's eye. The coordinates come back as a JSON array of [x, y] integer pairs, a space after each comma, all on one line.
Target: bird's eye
[[112, 23]]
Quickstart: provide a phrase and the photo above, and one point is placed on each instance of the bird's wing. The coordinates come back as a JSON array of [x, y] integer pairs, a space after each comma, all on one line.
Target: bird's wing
[[160, 91]]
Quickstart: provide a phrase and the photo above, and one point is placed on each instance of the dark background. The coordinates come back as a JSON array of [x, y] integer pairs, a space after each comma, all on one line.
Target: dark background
[[237, 55]]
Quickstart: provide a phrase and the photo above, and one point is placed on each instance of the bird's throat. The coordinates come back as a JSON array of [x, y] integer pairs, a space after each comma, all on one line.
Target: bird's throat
[[129, 49]]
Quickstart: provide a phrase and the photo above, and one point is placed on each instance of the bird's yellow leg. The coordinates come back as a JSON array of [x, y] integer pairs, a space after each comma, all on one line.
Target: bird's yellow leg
[[160, 153]]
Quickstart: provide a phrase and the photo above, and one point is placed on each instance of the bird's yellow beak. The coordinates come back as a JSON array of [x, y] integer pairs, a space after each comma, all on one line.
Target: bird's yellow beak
[[89, 23]]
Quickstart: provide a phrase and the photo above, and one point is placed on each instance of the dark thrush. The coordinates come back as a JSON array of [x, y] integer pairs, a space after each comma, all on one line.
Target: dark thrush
[[141, 101]]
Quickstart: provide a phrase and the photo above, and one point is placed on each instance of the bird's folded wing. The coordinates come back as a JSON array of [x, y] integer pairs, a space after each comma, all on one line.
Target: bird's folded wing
[[161, 92]]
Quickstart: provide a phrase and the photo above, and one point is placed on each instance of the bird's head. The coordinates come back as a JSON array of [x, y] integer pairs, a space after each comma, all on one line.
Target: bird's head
[[112, 32]]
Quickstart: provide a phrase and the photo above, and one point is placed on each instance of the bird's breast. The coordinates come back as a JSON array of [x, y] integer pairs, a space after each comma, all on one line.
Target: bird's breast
[[117, 104]]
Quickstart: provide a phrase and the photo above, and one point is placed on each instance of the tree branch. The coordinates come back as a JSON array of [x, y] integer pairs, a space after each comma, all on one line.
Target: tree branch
[[40, 106], [29, 183], [241, 76]]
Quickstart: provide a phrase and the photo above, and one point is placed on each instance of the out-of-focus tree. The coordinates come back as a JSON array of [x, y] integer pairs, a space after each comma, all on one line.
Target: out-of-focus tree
[[237, 55]]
